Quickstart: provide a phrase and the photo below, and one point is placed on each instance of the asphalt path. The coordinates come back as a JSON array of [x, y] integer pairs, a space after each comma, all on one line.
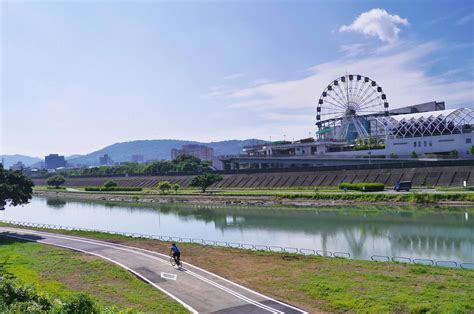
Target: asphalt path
[[196, 289]]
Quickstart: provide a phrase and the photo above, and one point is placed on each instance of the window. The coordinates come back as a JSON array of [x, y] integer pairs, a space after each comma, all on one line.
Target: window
[[414, 144], [402, 143], [431, 143], [425, 143], [451, 140], [468, 141]]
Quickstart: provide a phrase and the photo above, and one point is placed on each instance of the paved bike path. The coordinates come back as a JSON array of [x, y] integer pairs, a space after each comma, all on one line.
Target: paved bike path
[[198, 290]]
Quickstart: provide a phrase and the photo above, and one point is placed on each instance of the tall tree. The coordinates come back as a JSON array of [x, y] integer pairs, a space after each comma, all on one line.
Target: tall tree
[[15, 188]]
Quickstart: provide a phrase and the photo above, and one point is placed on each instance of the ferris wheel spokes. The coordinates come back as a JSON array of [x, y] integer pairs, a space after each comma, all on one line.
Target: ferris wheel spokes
[[346, 104]]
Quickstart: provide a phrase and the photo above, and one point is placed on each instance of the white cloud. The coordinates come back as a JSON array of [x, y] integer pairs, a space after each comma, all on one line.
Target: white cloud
[[233, 76], [352, 50], [376, 23], [286, 107], [463, 20]]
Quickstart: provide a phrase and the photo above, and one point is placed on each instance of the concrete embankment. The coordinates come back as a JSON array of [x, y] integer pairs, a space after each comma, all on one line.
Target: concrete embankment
[[423, 176], [303, 200]]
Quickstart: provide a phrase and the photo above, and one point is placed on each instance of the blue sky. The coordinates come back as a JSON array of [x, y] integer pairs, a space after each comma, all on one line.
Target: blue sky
[[77, 76]]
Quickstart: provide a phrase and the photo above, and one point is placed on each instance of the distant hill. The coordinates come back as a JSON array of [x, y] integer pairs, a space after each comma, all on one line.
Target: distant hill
[[158, 149], [13, 159]]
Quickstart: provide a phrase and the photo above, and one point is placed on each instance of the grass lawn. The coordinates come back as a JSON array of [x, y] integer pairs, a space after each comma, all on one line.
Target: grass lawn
[[329, 284], [60, 273]]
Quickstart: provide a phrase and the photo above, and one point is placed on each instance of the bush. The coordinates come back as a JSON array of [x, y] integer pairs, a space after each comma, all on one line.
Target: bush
[[19, 298], [366, 187], [454, 154], [413, 155], [109, 184], [175, 187], [56, 181], [393, 155], [112, 189], [80, 304], [164, 186]]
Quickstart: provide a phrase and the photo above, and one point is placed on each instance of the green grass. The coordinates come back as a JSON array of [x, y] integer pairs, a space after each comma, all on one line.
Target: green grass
[[322, 194], [329, 284], [62, 273]]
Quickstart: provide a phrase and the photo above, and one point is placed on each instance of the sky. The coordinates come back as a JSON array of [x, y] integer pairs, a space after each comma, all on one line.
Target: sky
[[77, 76]]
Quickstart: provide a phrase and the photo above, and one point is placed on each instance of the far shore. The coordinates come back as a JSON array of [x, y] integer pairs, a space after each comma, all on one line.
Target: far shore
[[326, 199]]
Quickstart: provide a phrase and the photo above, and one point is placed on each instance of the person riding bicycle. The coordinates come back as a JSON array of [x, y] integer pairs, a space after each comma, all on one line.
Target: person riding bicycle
[[175, 252]]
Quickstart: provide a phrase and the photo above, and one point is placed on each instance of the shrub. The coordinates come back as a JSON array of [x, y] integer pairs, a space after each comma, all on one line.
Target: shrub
[[413, 155], [80, 304], [393, 155], [109, 184], [454, 154], [366, 187], [112, 189], [175, 187], [56, 181], [164, 186], [19, 298], [472, 150]]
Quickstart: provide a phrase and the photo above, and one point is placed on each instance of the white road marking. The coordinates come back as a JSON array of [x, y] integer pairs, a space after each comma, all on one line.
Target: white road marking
[[187, 306], [168, 276], [134, 250]]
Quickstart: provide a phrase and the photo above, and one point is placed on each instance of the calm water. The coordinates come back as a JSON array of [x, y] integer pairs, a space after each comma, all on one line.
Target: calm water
[[447, 235]]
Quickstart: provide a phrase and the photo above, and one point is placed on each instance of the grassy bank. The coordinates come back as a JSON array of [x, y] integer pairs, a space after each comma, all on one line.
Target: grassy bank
[[293, 195], [61, 273], [328, 284]]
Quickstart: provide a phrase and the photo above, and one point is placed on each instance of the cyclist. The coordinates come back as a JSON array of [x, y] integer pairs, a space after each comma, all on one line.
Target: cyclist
[[174, 251]]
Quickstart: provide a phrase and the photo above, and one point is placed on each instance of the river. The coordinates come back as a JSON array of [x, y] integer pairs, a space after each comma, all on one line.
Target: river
[[362, 232]]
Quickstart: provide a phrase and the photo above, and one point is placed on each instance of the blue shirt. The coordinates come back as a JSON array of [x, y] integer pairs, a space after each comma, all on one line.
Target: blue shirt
[[175, 249]]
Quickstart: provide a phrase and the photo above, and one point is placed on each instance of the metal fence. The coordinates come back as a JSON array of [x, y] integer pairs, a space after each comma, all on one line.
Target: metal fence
[[255, 247]]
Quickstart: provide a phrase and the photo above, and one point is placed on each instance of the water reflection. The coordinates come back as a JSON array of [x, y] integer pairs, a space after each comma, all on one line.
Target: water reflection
[[400, 231]]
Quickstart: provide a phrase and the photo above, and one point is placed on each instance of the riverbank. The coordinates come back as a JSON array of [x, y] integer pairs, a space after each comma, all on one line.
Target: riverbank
[[325, 284], [269, 198], [61, 274]]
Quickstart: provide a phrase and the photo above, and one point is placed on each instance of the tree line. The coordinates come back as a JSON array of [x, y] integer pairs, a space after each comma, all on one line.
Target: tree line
[[182, 163]]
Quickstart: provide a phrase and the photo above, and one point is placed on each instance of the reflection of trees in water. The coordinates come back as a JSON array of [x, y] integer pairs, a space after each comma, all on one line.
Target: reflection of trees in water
[[414, 231], [356, 240], [453, 242], [55, 202]]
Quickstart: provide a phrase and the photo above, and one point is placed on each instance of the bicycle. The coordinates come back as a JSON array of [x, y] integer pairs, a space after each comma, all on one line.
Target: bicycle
[[175, 262]]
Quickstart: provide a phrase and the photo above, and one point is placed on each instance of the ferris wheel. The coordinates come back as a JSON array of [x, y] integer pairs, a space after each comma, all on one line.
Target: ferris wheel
[[345, 105]]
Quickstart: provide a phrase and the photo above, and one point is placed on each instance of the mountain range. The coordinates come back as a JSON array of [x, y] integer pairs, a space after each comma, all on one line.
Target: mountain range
[[150, 149]]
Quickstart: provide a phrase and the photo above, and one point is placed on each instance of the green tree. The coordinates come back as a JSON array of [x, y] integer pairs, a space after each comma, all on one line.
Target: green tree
[[205, 180], [413, 155], [56, 181], [472, 150], [454, 154], [175, 187], [161, 166], [393, 155], [109, 184], [15, 188], [164, 186]]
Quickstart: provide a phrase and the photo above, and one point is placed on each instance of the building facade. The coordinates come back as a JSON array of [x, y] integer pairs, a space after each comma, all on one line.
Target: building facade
[[420, 131], [106, 160], [200, 151], [53, 161]]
